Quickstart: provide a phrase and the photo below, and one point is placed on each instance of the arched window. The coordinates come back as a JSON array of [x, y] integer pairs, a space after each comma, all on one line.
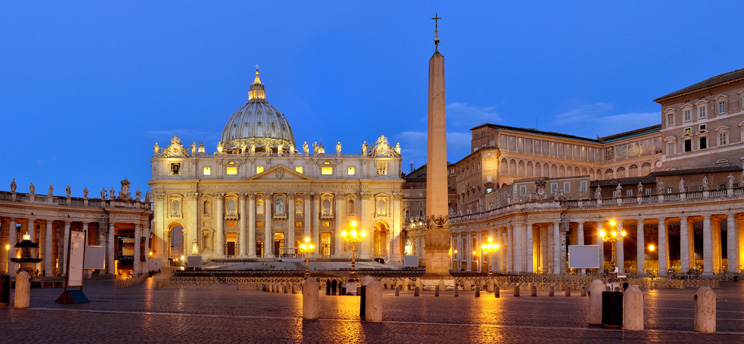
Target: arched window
[[381, 208], [231, 209], [206, 207], [176, 208], [350, 207], [326, 207], [298, 207]]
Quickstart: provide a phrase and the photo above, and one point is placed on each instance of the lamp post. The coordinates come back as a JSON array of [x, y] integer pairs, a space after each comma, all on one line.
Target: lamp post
[[613, 237], [353, 237], [307, 247], [490, 248]]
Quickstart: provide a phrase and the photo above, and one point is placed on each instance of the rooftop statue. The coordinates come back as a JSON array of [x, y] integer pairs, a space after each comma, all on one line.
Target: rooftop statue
[[13, 186], [51, 189]]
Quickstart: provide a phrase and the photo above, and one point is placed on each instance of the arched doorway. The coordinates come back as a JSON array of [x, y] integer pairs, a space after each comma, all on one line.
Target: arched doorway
[[175, 241], [380, 239]]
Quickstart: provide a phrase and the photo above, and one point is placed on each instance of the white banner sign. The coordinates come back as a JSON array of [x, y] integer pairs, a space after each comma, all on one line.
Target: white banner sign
[[77, 259]]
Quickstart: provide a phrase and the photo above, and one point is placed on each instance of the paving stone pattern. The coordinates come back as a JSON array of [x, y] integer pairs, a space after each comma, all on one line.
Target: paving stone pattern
[[143, 314]]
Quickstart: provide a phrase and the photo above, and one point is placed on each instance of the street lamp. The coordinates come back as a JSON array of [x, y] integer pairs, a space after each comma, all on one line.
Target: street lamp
[[353, 237], [490, 248], [613, 237], [306, 248]]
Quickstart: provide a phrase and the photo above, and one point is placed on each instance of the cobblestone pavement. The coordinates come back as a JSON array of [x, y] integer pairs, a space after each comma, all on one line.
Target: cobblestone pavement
[[225, 315]]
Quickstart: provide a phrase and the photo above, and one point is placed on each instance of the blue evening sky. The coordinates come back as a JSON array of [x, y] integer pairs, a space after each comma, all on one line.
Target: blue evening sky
[[87, 88]]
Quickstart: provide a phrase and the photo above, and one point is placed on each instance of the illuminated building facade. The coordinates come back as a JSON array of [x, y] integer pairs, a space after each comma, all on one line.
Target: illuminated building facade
[[259, 197]]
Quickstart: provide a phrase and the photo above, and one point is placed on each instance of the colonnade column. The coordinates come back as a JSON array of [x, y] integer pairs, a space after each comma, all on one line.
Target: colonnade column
[[716, 234], [315, 213], [663, 247], [707, 246], [469, 252], [556, 248], [268, 235], [48, 249], [243, 225], [544, 250], [137, 266], [640, 250], [219, 236], [478, 244], [598, 241], [580, 241], [110, 263], [252, 225], [67, 244], [337, 239], [620, 251], [732, 242], [510, 248], [12, 240], [530, 244], [291, 225], [684, 245], [31, 229], [308, 221]]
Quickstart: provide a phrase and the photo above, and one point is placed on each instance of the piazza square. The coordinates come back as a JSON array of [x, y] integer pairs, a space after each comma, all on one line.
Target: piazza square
[[273, 235]]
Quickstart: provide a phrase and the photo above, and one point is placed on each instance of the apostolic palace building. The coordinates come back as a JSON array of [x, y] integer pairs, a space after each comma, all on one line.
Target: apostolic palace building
[[675, 189]]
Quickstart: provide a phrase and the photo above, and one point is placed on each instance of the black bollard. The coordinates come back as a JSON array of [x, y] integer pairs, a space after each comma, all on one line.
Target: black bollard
[[397, 291], [334, 285], [328, 288], [568, 291], [496, 292], [436, 291], [533, 291], [416, 291], [477, 291], [551, 291], [516, 290], [456, 291]]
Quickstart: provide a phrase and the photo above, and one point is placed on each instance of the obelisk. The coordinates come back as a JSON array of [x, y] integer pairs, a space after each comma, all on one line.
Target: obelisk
[[437, 237]]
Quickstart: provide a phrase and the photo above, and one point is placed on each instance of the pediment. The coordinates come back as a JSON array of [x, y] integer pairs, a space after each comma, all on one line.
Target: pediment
[[280, 172]]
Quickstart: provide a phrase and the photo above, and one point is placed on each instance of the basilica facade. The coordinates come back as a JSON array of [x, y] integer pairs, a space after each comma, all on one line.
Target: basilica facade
[[258, 196]]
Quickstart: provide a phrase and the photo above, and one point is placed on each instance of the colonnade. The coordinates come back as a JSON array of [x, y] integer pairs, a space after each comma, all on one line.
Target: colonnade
[[52, 234], [540, 246]]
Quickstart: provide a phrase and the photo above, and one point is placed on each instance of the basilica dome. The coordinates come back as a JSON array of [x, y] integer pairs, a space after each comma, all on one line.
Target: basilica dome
[[257, 126]]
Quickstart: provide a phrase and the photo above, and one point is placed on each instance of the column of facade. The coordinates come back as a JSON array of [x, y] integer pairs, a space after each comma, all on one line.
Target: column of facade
[[510, 248], [252, 225], [137, 266], [360, 212], [243, 235], [11, 242], [219, 235], [66, 248], [598, 241], [716, 231], [339, 248], [307, 220], [732, 244], [684, 245], [620, 249], [110, 254], [530, 245], [707, 246], [640, 249], [316, 224], [268, 235], [544, 250], [469, 252], [556, 247], [580, 239], [478, 244], [519, 253], [48, 249], [191, 217], [291, 225], [663, 247]]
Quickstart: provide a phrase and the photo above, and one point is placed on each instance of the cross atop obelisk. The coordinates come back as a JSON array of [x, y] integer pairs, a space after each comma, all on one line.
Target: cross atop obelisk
[[436, 31]]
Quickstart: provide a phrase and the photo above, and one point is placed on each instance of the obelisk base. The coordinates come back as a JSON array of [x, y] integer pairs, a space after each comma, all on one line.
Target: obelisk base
[[436, 251]]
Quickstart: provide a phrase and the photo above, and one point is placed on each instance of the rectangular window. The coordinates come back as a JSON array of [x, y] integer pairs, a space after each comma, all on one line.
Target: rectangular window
[[721, 106], [670, 120], [670, 148], [231, 170], [722, 138], [688, 145], [648, 192], [702, 112], [703, 127], [688, 130], [259, 169], [326, 170], [381, 168], [566, 187], [351, 171], [553, 187], [207, 171], [629, 193], [670, 190], [175, 169], [523, 190], [688, 115], [583, 185], [298, 169], [703, 143]]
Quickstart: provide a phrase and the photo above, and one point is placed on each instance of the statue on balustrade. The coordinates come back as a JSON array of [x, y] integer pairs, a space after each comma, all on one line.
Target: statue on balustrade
[[67, 191], [85, 192], [51, 189]]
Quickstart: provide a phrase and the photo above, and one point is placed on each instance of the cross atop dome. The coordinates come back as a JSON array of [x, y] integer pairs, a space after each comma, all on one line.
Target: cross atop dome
[[257, 92]]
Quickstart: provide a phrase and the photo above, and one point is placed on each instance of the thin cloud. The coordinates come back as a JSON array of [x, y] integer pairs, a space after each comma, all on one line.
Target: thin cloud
[[598, 119], [463, 115], [413, 146]]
